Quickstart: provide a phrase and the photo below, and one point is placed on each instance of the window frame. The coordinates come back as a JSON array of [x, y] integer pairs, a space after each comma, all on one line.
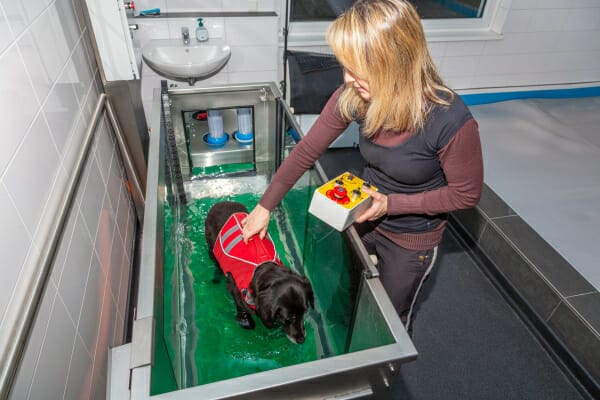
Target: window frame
[[488, 27]]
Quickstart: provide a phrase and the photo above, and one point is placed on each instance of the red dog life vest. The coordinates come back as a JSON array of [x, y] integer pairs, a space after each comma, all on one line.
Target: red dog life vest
[[241, 259]]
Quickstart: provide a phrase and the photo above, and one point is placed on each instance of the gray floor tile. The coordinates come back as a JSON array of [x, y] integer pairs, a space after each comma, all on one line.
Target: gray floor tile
[[566, 279]]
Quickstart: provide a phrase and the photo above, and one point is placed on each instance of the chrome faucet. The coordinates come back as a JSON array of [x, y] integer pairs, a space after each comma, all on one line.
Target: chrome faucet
[[185, 32]]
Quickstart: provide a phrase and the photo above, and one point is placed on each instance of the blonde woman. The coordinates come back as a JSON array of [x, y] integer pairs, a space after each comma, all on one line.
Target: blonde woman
[[419, 140]]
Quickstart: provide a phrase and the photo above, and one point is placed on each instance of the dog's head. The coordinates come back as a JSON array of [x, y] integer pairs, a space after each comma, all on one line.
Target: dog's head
[[284, 297]]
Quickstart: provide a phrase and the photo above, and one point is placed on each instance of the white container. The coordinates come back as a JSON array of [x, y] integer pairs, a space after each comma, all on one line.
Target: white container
[[215, 124], [244, 119]]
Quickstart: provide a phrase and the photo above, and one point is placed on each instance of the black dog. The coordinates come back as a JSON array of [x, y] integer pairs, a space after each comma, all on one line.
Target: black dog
[[264, 286]]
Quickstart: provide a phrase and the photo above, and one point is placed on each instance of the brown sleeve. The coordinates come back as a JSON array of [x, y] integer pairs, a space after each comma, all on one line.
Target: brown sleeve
[[462, 163], [325, 130]]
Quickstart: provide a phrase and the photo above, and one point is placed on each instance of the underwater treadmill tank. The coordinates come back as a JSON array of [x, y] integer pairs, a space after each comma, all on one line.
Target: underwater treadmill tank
[[186, 343]]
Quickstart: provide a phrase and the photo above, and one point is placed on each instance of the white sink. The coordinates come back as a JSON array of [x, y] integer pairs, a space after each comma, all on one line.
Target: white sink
[[174, 59]]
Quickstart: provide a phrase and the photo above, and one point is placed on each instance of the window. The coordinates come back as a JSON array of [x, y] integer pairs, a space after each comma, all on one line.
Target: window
[[443, 20], [326, 10]]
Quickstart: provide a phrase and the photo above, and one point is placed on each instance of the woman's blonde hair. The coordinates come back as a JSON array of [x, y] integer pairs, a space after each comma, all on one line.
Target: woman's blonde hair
[[382, 42]]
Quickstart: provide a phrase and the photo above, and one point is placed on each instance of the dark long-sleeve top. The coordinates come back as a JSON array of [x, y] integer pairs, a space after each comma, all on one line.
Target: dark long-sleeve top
[[425, 174]]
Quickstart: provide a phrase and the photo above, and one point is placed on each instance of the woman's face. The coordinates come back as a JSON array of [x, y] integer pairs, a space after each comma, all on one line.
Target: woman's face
[[361, 85]]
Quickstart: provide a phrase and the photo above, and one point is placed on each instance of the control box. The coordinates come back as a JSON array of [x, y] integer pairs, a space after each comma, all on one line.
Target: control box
[[339, 201]]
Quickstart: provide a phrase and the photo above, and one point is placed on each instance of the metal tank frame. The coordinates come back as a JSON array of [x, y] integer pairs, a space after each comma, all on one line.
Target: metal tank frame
[[360, 374]]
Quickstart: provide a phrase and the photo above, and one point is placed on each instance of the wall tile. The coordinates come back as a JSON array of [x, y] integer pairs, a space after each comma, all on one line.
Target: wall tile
[[584, 344], [61, 110], [45, 51], [240, 5], [107, 242], [92, 200], [78, 9], [553, 267], [269, 5], [518, 20], [470, 48], [51, 372], [91, 310], [37, 153], [548, 20], [541, 297], [437, 49], [104, 149], [458, 66], [20, 389], [525, 42], [104, 337], [583, 19], [119, 333], [63, 250], [116, 183], [75, 272], [588, 306], [14, 245], [259, 31], [69, 25], [18, 103], [555, 3], [578, 41], [492, 205], [15, 15], [80, 372], [114, 267], [83, 75], [122, 212], [472, 221], [6, 36], [253, 76], [194, 5], [524, 4], [252, 58], [34, 8], [123, 285]]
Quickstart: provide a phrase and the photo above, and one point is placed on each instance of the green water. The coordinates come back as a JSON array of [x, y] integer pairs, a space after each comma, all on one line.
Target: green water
[[221, 169], [197, 338], [202, 341]]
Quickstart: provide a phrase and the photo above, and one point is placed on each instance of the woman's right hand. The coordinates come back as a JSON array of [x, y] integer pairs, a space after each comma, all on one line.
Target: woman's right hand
[[256, 222]]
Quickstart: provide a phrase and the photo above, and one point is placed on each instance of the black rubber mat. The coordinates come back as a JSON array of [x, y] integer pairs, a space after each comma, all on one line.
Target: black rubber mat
[[471, 342]]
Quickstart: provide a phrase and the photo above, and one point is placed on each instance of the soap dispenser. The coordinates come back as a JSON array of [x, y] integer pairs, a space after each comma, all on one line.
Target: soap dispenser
[[201, 31]]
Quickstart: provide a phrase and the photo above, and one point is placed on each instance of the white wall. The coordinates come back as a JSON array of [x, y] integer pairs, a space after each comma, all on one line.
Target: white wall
[[254, 41], [545, 42], [49, 86]]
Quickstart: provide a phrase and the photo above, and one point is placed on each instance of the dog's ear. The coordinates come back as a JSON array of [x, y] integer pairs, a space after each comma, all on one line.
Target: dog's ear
[[267, 312], [310, 297]]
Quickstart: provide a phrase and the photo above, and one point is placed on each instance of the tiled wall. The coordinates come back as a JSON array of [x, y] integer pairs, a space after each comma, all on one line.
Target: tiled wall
[[545, 42], [49, 87], [254, 40]]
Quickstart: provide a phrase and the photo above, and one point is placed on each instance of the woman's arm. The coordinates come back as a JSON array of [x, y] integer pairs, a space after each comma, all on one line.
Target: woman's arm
[[462, 163], [325, 130]]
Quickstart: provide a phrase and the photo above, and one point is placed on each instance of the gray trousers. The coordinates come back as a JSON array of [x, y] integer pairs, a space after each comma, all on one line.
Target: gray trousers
[[401, 271]]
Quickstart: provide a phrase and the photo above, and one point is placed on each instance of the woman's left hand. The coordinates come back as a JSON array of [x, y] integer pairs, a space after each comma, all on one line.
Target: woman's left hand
[[378, 206]]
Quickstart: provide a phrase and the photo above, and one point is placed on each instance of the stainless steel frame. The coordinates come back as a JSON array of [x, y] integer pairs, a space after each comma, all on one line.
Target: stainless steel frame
[[358, 374]]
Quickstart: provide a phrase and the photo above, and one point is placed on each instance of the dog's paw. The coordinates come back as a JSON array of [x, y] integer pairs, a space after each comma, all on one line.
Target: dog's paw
[[245, 320]]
